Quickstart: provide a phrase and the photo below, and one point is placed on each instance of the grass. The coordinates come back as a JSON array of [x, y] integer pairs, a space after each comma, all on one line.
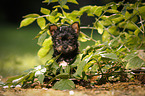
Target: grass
[[18, 50]]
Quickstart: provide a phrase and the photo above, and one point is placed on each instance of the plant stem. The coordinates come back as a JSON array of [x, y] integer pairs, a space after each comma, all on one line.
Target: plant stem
[[88, 27], [89, 37]]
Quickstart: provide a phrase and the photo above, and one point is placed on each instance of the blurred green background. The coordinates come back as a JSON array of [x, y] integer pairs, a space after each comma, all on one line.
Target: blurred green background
[[18, 52]]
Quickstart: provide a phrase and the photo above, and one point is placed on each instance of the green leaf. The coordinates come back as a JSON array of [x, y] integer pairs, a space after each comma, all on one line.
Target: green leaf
[[142, 11], [106, 22], [113, 30], [130, 56], [98, 11], [22, 79], [47, 42], [27, 21], [49, 1], [80, 68], [44, 51], [128, 15], [54, 12], [64, 84], [88, 57], [136, 32], [13, 78], [114, 42], [83, 37], [73, 1], [124, 9], [31, 76], [100, 27], [65, 7], [113, 16], [134, 63], [85, 9], [63, 76], [62, 2], [113, 6], [141, 54], [88, 65], [77, 61], [44, 11], [95, 67], [110, 56], [31, 16], [105, 36], [59, 76], [117, 19], [112, 11], [42, 38], [47, 46], [41, 78], [131, 26], [39, 34], [41, 22], [67, 69], [51, 19]]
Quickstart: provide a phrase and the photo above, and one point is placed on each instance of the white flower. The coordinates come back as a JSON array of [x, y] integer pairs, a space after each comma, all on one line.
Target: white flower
[[5, 87], [90, 68], [38, 67], [63, 63], [43, 70], [39, 70], [18, 86], [37, 73], [45, 88], [71, 92]]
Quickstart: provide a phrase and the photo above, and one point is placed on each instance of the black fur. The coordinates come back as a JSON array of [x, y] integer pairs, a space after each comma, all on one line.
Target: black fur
[[65, 41]]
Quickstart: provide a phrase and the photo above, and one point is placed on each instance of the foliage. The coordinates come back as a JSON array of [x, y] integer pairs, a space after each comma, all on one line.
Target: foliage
[[122, 47]]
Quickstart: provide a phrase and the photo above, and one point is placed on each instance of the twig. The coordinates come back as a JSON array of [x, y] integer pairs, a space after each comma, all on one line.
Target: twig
[[87, 27], [141, 23], [142, 32], [137, 26], [89, 37]]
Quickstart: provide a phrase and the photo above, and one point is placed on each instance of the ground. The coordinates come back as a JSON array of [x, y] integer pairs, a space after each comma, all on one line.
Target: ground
[[109, 89]]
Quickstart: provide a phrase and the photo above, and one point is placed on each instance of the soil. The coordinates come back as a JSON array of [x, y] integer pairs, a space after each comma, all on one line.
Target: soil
[[134, 88]]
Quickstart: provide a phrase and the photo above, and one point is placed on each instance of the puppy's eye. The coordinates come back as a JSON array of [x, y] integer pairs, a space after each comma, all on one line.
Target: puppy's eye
[[69, 37], [60, 38]]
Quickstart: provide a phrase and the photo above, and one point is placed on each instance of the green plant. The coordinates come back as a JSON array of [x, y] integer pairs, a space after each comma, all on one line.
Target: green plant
[[122, 47]]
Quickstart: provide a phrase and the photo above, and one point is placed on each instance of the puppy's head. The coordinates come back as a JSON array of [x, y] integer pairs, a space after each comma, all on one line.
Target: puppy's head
[[65, 38]]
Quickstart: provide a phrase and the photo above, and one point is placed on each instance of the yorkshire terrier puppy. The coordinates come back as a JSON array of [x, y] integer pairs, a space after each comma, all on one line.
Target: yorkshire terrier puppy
[[65, 42]]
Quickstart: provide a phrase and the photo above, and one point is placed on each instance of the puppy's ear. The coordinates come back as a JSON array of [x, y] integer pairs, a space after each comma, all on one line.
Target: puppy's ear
[[76, 27], [52, 29]]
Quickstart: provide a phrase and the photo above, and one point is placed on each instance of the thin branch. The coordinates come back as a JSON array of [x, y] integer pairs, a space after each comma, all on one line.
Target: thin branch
[[43, 16], [89, 37], [141, 31], [88, 27], [137, 26], [141, 23]]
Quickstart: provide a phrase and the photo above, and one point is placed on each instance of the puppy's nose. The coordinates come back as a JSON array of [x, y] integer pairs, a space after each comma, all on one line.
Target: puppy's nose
[[65, 46], [65, 37]]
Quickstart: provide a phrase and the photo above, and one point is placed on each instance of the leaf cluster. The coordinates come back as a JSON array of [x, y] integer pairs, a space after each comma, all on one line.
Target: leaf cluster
[[122, 46]]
